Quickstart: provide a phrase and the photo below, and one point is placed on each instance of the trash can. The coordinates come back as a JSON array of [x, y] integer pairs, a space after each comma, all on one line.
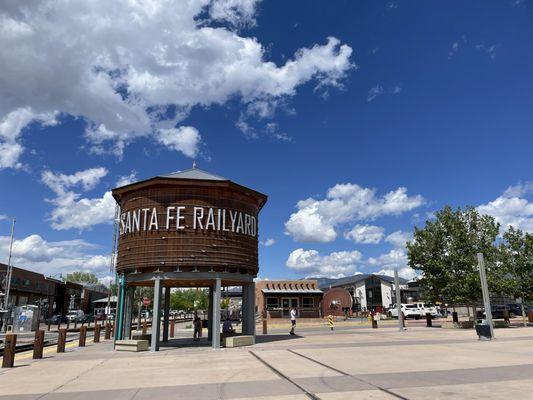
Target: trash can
[[483, 330]]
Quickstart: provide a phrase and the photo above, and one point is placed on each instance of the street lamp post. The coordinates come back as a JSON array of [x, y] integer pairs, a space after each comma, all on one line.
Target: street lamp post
[[398, 300], [8, 275]]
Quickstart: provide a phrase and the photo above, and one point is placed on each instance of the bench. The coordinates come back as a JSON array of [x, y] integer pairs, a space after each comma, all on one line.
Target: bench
[[458, 325], [138, 335], [238, 341], [131, 345]]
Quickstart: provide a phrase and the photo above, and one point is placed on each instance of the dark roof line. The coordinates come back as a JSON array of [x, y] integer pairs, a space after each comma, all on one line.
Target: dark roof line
[[327, 283]]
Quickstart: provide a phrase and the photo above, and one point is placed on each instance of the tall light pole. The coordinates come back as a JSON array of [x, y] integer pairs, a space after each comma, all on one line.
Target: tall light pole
[[485, 291], [398, 300], [8, 275]]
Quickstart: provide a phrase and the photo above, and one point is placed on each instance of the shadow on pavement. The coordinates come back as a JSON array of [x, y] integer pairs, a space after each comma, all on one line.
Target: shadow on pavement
[[188, 342], [275, 338]]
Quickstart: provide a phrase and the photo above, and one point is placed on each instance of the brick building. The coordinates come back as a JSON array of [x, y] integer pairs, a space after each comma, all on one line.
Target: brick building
[[51, 295], [30, 288]]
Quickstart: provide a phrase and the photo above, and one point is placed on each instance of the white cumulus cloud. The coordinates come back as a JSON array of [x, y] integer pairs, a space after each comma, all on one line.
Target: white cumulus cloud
[[269, 242], [396, 258], [37, 254], [71, 211], [404, 272], [317, 220], [333, 265], [398, 238], [512, 208], [11, 127], [137, 68], [365, 234], [185, 139]]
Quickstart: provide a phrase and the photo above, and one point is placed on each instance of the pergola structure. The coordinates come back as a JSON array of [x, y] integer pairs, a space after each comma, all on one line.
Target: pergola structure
[[186, 229]]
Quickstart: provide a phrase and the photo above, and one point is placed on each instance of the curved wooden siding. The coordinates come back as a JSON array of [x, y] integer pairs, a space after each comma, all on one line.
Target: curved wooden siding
[[188, 248]]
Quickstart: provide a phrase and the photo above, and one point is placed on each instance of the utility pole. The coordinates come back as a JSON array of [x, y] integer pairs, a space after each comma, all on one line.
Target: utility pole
[[8, 276], [485, 290], [398, 300]]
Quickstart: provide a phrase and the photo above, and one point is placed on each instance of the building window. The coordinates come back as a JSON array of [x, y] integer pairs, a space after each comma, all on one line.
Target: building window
[[308, 302], [272, 302]]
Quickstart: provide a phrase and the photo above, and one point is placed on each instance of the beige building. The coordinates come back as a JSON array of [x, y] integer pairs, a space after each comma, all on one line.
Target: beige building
[[276, 298]]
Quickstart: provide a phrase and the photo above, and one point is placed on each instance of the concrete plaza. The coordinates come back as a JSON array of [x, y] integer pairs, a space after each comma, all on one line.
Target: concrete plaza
[[352, 363]]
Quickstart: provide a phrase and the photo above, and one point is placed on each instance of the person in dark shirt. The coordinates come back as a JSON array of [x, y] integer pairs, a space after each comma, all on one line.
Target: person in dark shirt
[[227, 327]]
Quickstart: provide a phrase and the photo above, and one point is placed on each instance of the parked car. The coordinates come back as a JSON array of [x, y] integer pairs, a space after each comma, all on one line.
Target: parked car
[[76, 316], [444, 312], [427, 308], [498, 312], [58, 319], [516, 308], [408, 310]]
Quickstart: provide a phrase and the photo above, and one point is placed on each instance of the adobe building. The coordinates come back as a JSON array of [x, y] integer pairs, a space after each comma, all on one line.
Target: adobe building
[[186, 229], [275, 299]]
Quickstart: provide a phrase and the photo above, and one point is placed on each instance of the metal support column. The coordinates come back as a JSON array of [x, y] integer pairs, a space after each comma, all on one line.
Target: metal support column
[[121, 289], [398, 300], [244, 310], [166, 314], [210, 314], [128, 311], [156, 319], [485, 291], [248, 309], [216, 315]]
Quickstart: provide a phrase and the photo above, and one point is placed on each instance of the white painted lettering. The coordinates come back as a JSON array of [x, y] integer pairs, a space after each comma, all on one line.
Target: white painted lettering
[[136, 222], [210, 220], [233, 217], [240, 224], [145, 217], [153, 220], [128, 222], [247, 224], [169, 217], [197, 219], [179, 217]]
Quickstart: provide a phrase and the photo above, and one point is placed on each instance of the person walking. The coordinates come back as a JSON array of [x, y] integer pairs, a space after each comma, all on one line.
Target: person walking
[[293, 321], [197, 324]]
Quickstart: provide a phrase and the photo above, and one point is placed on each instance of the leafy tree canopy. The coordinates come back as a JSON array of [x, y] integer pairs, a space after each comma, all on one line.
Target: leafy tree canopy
[[445, 251], [516, 258], [189, 299], [81, 277]]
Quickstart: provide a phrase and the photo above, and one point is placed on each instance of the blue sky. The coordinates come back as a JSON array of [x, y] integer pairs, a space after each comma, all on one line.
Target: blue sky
[[393, 108]]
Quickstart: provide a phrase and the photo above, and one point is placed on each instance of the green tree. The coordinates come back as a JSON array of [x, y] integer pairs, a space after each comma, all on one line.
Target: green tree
[[445, 251], [189, 299], [81, 277], [516, 251]]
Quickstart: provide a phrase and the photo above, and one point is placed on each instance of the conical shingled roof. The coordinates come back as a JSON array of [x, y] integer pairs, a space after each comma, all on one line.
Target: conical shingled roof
[[194, 173]]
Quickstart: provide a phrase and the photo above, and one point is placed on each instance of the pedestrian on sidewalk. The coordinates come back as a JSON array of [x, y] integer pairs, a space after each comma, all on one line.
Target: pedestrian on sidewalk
[[197, 325], [293, 321]]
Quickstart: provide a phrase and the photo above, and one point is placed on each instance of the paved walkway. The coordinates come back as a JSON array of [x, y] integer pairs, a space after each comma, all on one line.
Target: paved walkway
[[421, 363]]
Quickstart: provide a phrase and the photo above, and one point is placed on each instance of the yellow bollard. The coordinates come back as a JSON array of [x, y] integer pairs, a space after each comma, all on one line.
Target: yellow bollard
[[331, 322]]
